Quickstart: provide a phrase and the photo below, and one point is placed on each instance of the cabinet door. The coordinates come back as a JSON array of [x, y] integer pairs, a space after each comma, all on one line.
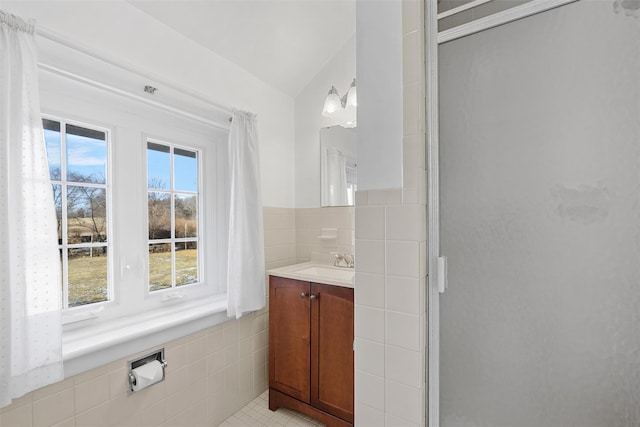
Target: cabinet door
[[332, 350], [289, 337]]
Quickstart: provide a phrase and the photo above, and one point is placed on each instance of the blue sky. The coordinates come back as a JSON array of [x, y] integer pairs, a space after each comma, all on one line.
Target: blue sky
[[186, 170], [87, 156]]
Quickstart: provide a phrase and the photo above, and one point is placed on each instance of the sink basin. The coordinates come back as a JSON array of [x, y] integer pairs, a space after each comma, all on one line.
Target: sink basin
[[328, 272], [317, 273]]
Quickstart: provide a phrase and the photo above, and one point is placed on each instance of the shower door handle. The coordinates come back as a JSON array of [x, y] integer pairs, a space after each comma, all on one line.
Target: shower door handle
[[442, 274]]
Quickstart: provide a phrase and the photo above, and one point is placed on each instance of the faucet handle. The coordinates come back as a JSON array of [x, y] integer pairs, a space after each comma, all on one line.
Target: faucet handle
[[337, 258], [350, 260]]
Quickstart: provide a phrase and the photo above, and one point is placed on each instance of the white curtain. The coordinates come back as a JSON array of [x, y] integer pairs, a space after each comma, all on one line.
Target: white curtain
[[335, 173], [245, 272], [30, 289]]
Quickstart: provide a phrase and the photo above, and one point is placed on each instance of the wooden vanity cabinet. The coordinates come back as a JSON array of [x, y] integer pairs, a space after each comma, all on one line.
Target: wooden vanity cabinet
[[311, 349]]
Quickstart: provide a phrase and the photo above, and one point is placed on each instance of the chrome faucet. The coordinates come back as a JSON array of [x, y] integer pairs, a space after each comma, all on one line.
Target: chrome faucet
[[343, 260]]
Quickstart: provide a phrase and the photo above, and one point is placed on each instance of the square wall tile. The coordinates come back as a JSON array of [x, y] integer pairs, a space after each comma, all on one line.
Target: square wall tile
[[54, 408], [370, 256], [178, 357], [362, 198], [411, 16], [404, 366], [370, 220], [411, 57], [406, 222], [367, 416], [17, 417], [94, 417], [393, 421], [404, 402], [123, 410], [48, 390], [403, 294], [153, 415], [370, 390], [411, 113], [27, 399], [214, 341], [403, 330], [424, 252], [369, 289], [385, 197], [410, 196], [369, 323], [118, 382], [230, 333], [403, 258], [370, 357]]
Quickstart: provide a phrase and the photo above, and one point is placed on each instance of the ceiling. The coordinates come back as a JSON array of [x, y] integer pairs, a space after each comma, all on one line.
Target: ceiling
[[282, 42]]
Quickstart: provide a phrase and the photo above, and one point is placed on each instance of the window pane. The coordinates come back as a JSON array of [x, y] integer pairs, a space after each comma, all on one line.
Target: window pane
[[186, 263], [57, 200], [86, 212], [158, 166], [159, 208], [86, 155], [87, 275], [52, 141], [159, 266], [186, 170], [186, 211]]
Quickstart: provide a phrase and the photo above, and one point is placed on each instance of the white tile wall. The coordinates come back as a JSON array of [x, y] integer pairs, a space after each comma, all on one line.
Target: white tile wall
[[373, 294], [370, 256], [370, 357], [390, 333], [210, 374], [370, 390], [369, 323], [309, 225]]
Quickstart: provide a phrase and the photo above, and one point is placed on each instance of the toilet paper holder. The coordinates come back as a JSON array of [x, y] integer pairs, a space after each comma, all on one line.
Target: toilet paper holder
[[140, 361]]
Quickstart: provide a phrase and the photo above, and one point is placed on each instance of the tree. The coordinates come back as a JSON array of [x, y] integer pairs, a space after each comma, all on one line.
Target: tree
[[159, 211]]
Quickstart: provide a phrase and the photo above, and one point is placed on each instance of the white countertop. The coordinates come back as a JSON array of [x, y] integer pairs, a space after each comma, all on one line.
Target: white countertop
[[317, 273]]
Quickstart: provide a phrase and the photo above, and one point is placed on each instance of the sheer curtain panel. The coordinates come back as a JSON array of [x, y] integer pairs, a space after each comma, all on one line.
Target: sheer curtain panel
[[246, 272], [30, 281]]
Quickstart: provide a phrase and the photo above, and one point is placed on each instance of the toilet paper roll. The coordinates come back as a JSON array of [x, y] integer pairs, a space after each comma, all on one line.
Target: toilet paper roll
[[147, 375]]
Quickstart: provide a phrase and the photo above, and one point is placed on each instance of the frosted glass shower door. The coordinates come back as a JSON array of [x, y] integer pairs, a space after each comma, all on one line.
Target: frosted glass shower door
[[540, 221]]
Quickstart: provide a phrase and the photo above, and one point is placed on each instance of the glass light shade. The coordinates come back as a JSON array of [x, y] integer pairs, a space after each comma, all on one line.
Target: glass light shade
[[352, 95], [332, 103]]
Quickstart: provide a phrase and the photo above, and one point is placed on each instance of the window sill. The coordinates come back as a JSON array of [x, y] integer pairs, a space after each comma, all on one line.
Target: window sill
[[96, 345]]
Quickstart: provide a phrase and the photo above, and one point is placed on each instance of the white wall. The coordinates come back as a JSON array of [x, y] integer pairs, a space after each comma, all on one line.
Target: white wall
[[119, 30], [339, 71], [380, 113]]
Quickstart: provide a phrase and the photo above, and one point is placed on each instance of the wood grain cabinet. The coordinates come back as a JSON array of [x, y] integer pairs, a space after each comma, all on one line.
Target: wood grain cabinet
[[311, 349]]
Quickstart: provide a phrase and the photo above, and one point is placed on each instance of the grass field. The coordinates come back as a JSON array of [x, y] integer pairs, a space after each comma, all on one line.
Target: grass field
[[88, 275]]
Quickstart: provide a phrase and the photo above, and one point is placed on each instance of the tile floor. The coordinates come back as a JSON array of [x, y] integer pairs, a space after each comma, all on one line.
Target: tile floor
[[257, 414]]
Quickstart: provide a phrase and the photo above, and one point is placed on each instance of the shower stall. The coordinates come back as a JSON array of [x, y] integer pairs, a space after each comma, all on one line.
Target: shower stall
[[534, 146]]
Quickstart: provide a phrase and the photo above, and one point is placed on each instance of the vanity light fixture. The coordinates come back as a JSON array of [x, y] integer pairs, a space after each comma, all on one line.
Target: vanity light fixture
[[332, 103], [336, 107]]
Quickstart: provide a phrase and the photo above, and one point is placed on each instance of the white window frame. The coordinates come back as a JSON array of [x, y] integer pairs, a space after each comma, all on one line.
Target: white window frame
[[134, 315]]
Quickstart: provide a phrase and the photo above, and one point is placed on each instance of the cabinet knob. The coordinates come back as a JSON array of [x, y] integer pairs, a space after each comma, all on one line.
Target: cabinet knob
[[302, 295], [312, 296]]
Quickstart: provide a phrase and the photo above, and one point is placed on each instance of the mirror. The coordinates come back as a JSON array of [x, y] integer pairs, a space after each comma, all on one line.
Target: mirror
[[338, 166]]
